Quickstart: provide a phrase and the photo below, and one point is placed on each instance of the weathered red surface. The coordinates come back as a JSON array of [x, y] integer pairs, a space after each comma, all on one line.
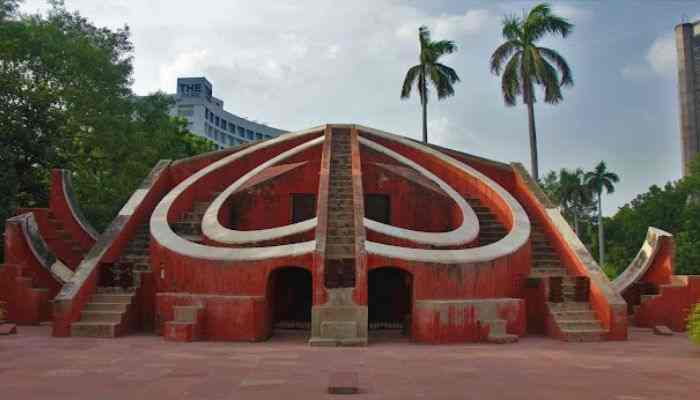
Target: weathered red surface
[[672, 306], [36, 366]]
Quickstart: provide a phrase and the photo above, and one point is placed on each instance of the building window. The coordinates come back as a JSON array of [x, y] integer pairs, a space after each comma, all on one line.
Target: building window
[[223, 124], [216, 121], [250, 134], [211, 117], [258, 136], [241, 131], [232, 128], [206, 113]]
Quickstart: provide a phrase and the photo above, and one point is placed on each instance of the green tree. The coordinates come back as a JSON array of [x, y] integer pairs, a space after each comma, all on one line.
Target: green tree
[[575, 196], [66, 102], [597, 180], [694, 324], [527, 64], [430, 71]]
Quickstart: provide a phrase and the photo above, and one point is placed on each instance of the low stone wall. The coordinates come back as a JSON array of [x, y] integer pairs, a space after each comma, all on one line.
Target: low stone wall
[[454, 321]]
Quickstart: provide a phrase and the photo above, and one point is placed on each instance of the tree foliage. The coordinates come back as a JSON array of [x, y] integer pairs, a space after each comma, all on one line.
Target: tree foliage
[[694, 324], [430, 72], [675, 208], [524, 64], [66, 102]]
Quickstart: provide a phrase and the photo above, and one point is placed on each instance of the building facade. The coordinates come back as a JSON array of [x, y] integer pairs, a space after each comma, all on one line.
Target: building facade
[[688, 46], [207, 118]]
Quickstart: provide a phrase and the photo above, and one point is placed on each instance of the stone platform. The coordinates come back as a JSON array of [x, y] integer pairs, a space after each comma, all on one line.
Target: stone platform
[[36, 366]]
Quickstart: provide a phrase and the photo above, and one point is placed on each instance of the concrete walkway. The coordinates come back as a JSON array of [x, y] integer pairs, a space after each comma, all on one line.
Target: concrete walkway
[[34, 365]]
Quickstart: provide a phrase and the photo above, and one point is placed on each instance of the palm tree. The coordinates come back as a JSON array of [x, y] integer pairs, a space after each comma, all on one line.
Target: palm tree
[[430, 71], [526, 64], [598, 179], [574, 194]]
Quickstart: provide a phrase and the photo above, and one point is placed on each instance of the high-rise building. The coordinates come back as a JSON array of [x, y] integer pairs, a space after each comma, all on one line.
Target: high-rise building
[[207, 118], [688, 45]]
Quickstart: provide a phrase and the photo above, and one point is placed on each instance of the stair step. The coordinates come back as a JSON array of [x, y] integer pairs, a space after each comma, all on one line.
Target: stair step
[[112, 298], [101, 316], [95, 329], [117, 307]]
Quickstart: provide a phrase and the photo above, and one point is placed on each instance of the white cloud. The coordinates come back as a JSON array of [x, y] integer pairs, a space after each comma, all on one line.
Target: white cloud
[[190, 63], [659, 61], [574, 13], [662, 56]]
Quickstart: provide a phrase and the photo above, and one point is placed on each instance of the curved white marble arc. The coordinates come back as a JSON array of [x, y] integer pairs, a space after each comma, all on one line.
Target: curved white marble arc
[[642, 261], [514, 240], [166, 237], [465, 233], [212, 228]]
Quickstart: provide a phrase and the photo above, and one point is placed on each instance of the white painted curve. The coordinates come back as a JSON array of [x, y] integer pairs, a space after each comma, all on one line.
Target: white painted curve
[[516, 238], [467, 231], [214, 230], [164, 235]]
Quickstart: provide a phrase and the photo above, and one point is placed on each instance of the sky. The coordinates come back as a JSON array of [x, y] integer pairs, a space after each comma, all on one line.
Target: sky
[[296, 64]]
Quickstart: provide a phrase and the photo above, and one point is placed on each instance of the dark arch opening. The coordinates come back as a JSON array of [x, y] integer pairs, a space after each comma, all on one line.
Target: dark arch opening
[[390, 299], [290, 298]]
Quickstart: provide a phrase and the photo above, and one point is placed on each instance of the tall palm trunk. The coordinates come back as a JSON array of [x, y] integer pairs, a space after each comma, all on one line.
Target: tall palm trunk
[[601, 235], [576, 222], [425, 120], [424, 101], [533, 139]]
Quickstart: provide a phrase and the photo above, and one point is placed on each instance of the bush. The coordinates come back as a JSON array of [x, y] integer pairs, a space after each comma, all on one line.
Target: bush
[[694, 324]]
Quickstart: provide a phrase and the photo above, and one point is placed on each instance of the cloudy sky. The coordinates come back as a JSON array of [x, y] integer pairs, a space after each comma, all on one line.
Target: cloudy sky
[[295, 64]]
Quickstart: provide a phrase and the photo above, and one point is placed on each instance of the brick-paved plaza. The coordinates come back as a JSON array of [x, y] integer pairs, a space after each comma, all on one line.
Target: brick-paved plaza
[[34, 365]]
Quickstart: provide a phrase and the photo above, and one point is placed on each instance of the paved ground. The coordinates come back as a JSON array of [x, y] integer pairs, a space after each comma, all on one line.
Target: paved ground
[[36, 366]]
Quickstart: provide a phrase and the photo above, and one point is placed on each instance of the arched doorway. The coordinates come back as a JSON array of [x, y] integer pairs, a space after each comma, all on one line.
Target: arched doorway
[[290, 299], [389, 300]]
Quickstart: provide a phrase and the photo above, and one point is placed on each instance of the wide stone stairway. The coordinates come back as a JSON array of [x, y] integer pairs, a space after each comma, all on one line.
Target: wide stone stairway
[[340, 322], [340, 241], [568, 295]]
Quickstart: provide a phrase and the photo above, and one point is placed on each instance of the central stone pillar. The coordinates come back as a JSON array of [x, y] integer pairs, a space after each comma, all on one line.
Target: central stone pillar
[[340, 321]]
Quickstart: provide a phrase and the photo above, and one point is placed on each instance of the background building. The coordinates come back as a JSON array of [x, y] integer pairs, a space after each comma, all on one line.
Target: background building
[[207, 118], [688, 45]]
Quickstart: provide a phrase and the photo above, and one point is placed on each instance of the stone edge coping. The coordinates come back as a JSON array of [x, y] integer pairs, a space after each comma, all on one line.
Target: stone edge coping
[[37, 245], [106, 240], [163, 234], [642, 261], [516, 238], [76, 211], [594, 272], [465, 233], [214, 230]]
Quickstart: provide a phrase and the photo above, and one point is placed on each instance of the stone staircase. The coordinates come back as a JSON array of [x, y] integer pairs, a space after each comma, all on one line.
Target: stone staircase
[[62, 243], [134, 260], [568, 295], [545, 260], [106, 315], [340, 240], [340, 322], [187, 326], [490, 230], [189, 226]]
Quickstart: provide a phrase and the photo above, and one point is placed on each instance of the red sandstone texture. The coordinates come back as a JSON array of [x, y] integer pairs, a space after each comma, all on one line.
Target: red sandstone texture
[[36, 366]]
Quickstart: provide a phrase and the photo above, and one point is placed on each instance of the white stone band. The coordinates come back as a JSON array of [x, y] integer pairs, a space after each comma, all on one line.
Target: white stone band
[[163, 233], [465, 233], [212, 228]]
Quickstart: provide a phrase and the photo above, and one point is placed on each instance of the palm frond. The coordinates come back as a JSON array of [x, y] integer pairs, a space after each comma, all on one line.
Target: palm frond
[[562, 65], [442, 47], [424, 36], [409, 80], [501, 54], [510, 82], [512, 27], [448, 73], [548, 78]]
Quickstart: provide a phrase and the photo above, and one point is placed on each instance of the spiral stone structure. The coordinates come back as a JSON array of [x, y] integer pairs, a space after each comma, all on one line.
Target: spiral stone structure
[[339, 230]]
